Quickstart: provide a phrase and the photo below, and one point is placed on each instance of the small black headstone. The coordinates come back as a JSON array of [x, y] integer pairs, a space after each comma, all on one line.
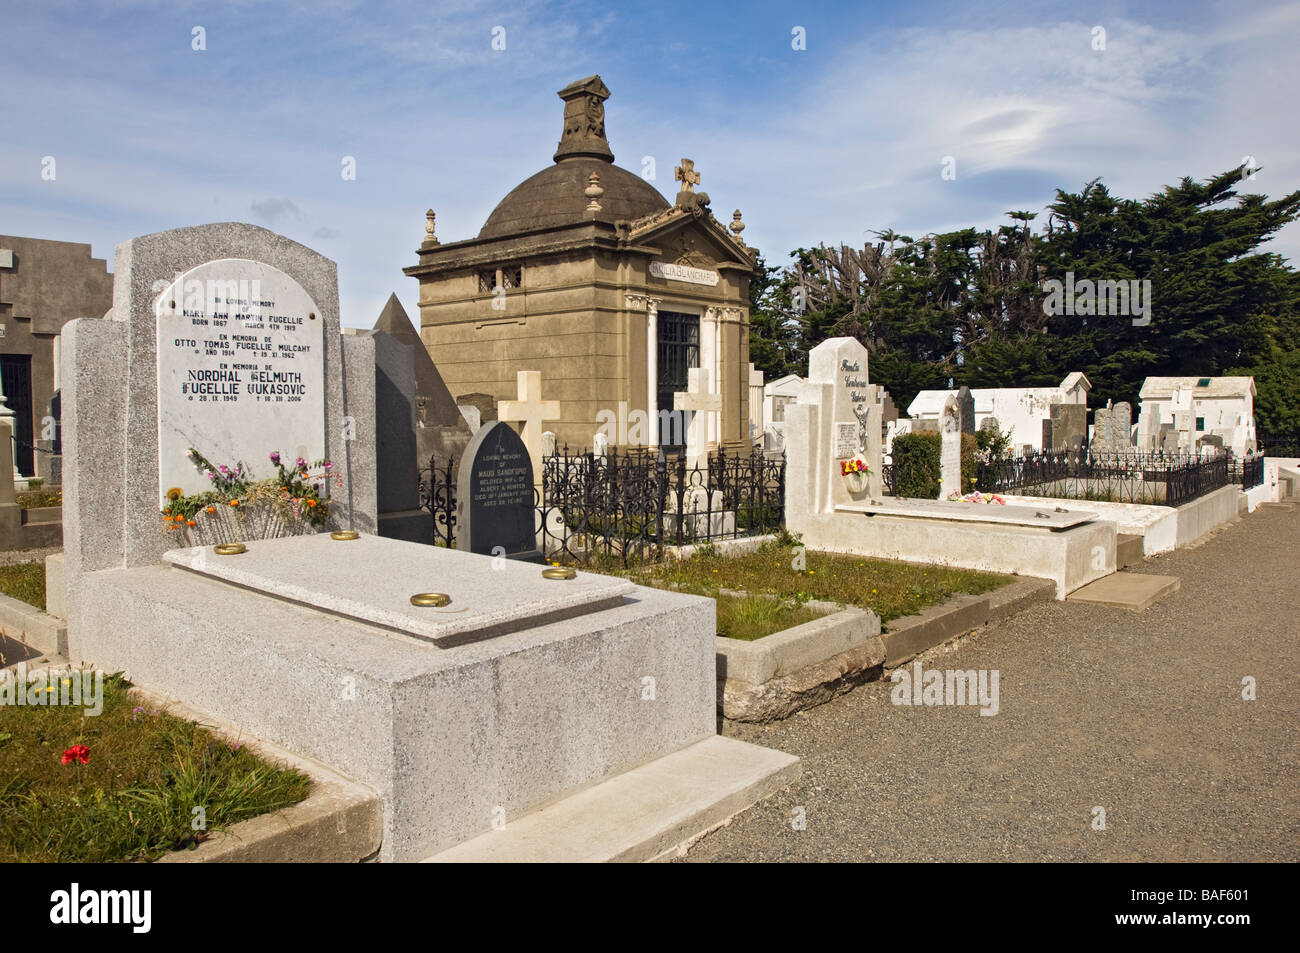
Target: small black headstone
[[966, 404], [494, 494]]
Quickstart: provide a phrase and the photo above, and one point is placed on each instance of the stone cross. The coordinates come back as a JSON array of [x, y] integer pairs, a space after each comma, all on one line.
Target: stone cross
[[699, 401], [686, 175], [532, 412]]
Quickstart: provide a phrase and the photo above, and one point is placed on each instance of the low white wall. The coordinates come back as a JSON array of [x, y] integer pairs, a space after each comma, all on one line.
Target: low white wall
[[1271, 465], [1257, 495], [1203, 514]]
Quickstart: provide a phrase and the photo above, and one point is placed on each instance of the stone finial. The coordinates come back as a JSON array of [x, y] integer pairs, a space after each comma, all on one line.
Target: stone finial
[[584, 121], [593, 191], [429, 237], [737, 226]]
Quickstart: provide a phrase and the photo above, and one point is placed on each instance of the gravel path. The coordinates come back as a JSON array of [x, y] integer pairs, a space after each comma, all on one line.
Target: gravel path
[[1139, 714]]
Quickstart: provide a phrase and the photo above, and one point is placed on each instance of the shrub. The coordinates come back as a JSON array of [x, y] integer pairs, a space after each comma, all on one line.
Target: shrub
[[916, 465], [970, 461]]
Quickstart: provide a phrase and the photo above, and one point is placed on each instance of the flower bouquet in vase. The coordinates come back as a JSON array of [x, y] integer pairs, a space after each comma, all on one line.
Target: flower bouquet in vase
[[855, 472]]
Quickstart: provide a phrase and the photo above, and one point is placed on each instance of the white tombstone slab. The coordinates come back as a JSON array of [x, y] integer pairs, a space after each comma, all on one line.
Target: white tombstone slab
[[600, 444], [241, 371], [950, 452], [850, 416]]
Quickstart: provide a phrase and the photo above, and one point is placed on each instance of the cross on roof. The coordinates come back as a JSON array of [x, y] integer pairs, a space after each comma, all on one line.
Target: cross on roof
[[531, 411], [686, 175]]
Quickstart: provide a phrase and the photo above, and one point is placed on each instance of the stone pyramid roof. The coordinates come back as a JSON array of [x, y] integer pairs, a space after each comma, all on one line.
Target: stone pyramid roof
[[440, 406]]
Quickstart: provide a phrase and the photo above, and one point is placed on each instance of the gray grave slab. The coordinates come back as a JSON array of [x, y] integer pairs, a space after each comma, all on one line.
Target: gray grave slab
[[488, 597]]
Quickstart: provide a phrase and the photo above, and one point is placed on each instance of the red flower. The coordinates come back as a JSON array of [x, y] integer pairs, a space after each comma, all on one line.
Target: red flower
[[77, 753]]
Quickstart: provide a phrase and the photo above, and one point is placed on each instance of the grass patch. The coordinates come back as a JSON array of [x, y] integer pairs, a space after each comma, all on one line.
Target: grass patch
[[889, 589], [135, 798], [24, 581], [33, 499], [752, 617]]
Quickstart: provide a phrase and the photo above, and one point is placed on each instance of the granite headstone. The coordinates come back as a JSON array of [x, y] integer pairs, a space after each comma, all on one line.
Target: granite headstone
[[494, 510]]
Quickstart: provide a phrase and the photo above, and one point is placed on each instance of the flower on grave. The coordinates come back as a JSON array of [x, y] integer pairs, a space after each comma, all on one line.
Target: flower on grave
[[275, 457], [78, 754], [224, 470], [212, 509], [855, 464], [311, 503], [300, 463], [191, 523], [328, 466], [234, 502], [175, 493]]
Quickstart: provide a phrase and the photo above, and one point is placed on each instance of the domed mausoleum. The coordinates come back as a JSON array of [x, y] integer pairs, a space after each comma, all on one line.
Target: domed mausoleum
[[585, 273]]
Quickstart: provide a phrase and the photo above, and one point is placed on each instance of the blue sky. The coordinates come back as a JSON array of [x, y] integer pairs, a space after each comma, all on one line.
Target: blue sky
[[826, 144]]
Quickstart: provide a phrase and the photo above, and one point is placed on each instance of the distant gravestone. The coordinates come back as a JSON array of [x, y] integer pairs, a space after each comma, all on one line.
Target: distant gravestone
[[991, 424], [966, 407], [1066, 428], [600, 444], [396, 466], [950, 450], [1121, 426], [494, 510]]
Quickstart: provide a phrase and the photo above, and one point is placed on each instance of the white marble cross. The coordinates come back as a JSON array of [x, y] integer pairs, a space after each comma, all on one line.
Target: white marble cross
[[532, 412], [700, 401]]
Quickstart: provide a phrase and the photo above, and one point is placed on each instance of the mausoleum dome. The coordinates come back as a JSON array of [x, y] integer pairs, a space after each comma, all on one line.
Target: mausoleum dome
[[555, 196], [558, 195]]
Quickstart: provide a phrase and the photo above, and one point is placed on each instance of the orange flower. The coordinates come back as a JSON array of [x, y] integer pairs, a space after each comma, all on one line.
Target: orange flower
[[234, 502], [178, 518], [212, 509], [191, 523], [311, 503]]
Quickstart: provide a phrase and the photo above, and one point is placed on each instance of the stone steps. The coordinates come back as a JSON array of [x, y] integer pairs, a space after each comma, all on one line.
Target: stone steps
[[1127, 590], [644, 814], [1128, 550]]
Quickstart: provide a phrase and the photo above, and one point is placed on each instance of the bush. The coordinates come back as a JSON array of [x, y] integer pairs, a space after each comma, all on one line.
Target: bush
[[916, 465], [970, 461]]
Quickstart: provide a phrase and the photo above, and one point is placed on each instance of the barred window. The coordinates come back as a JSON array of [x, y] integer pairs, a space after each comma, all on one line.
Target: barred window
[[512, 277], [487, 282], [509, 278]]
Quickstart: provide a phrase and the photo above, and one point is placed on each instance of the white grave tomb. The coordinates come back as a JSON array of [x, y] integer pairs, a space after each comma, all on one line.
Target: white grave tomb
[[1068, 545]]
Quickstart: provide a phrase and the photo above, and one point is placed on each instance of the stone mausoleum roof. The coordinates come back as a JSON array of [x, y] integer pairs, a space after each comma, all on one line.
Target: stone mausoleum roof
[[554, 197]]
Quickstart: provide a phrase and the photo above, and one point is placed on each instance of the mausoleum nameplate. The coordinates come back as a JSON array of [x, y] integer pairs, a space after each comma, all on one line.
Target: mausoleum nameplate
[[241, 371], [372, 580], [673, 272], [1037, 517]]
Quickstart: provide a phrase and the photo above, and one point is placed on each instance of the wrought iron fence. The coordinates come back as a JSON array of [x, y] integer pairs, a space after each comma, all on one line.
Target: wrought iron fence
[[1170, 479], [1249, 472], [632, 503]]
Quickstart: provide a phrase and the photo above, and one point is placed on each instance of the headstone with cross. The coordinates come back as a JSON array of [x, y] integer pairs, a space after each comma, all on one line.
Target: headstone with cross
[[700, 401], [531, 411]]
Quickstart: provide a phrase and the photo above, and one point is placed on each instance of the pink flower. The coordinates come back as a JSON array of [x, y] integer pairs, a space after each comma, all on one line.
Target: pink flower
[[275, 457], [301, 463]]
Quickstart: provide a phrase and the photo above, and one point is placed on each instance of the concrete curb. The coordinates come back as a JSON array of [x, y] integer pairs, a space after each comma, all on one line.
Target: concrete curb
[[909, 636], [341, 820], [804, 666], [35, 629], [773, 677]]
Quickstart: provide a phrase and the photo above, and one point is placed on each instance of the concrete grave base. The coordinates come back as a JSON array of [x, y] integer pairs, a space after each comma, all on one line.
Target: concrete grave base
[[1070, 557], [454, 737]]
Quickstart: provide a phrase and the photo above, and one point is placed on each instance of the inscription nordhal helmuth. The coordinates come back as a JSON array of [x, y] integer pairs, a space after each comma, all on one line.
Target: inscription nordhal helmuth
[[240, 370]]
